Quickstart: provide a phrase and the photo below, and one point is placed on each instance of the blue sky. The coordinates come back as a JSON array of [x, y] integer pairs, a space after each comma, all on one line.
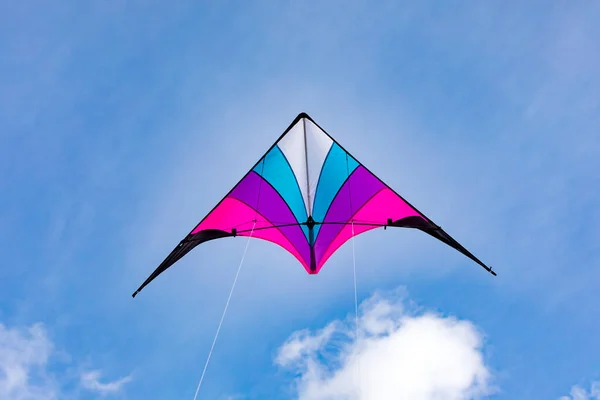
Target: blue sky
[[122, 123]]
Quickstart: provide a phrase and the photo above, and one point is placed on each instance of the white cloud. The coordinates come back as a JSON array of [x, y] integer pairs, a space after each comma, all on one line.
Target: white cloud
[[24, 355], [579, 393], [27, 371], [91, 381], [302, 344], [400, 353]]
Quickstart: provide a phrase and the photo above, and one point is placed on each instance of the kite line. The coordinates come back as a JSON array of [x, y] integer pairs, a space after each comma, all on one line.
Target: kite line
[[224, 311], [353, 250], [356, 325], [355, 289]]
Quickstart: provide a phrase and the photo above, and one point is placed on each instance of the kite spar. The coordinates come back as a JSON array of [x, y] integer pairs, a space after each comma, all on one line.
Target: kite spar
[[308, 195]]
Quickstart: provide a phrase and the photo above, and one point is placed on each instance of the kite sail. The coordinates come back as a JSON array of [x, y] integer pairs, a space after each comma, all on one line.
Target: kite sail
[[308, 195]]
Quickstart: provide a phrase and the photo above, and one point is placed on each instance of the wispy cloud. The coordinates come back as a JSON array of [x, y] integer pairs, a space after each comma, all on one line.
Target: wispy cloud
[[400, 353], [579, 393], [91, 380], [31, 368], [24, 356]]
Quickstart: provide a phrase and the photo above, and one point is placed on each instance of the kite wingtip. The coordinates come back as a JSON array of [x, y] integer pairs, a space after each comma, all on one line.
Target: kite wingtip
[[135, 294], [492, 271]]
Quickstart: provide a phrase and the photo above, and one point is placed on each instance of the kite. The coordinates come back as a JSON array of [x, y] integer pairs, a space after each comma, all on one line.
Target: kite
[[308, 195]]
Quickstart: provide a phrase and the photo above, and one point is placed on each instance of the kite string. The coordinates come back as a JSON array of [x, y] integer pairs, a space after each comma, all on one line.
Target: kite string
[[224, 312], [356, 324], [356, 321], [355, 288]]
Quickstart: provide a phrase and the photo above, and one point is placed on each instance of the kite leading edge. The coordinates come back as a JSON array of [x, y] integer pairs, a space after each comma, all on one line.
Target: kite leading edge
[[308, 195]]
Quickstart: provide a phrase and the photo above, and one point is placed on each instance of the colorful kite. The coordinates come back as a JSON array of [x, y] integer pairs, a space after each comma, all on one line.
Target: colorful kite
[[308, 195]]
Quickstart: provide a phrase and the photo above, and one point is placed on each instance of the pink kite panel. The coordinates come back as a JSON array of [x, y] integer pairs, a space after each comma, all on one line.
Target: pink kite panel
[[229, 214], [231, 211], [385, 204], [341, 238], [275, 236]]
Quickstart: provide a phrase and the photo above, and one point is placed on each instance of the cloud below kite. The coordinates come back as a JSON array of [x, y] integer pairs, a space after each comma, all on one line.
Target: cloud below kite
[[401, 352]]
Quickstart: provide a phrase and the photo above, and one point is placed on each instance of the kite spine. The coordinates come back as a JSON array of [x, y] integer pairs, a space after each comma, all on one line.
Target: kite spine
[[310, 223]]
